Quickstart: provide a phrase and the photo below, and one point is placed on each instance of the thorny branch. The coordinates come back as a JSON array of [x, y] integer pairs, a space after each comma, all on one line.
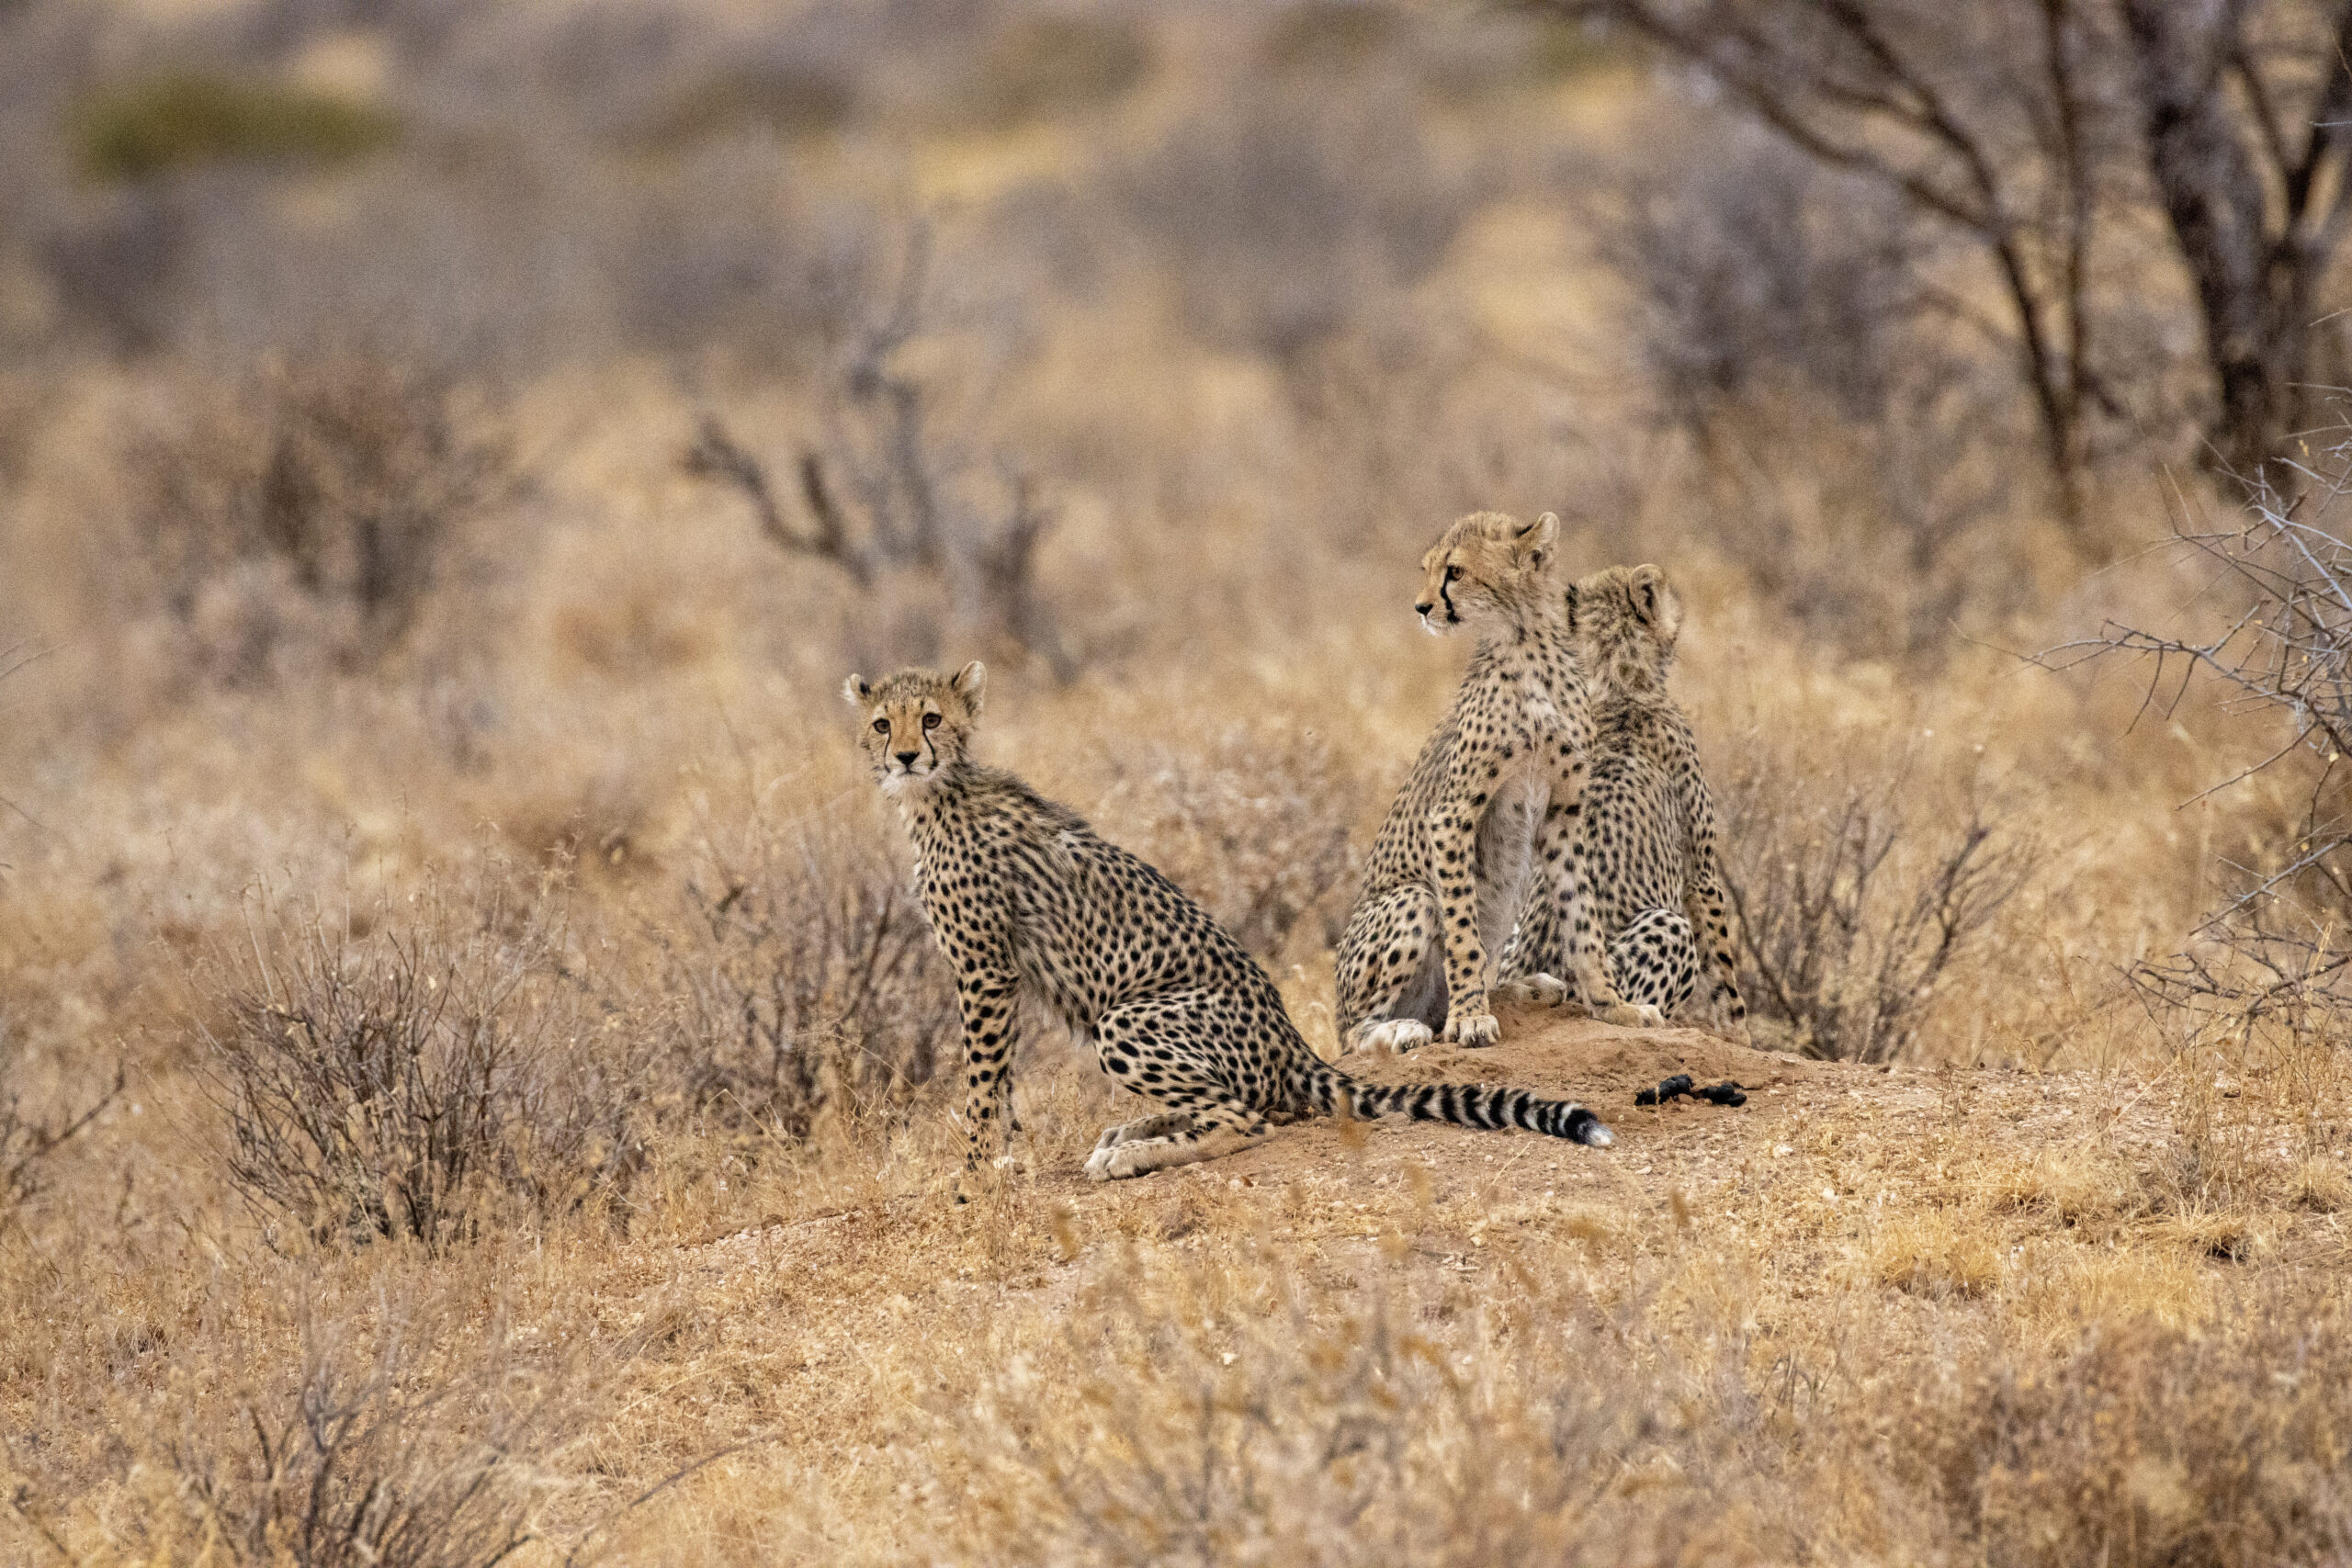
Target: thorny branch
[[2280, 653], [25, 1142]]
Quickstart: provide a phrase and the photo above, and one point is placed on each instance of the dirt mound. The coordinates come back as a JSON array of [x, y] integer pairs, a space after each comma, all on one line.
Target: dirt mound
[[1603, 1066], [1570, 1057]]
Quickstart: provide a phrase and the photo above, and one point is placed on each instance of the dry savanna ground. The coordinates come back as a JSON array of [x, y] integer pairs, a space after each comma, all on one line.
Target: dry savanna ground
[[474, 1087]]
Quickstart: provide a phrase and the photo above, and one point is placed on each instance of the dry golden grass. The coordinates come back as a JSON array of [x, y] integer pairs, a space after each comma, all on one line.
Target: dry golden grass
[[2056, 1287]]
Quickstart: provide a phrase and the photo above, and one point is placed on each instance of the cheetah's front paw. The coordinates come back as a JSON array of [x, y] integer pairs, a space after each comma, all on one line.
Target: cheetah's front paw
[[1393, 1034], [1473, 1029], [1543, 990], [1135, 1157], [1633, 1015]]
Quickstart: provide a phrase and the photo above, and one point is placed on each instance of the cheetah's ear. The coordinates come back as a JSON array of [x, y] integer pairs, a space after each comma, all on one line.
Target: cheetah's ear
[[1535, 541], [1657, 603], [857, 692], [970, 683]]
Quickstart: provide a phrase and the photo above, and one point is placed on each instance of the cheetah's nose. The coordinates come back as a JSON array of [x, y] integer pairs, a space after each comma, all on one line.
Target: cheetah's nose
[[907, 758], [1423, 608]]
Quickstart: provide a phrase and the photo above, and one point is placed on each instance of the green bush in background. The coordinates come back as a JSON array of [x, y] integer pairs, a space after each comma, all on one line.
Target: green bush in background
[[187, 118]]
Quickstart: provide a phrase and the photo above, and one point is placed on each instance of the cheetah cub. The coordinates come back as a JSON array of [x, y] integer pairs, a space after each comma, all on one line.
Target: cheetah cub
[[1488, 814], [1649, 821], [1027, 902]]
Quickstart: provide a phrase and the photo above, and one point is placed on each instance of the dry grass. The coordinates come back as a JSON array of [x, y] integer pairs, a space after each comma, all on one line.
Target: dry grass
[[535, 1088]]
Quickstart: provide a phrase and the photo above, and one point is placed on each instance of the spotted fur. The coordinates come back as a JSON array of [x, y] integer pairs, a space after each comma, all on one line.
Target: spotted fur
[[1027, 902], [1489, 817], [1649, 819]]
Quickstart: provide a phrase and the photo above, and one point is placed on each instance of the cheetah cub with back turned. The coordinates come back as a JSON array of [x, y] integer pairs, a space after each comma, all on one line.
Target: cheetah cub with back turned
[[1649, 819], [1488, 818], [1026, 901]]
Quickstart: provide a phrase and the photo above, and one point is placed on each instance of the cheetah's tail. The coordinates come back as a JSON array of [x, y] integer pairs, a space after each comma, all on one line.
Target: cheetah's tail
[[1489, 1106]]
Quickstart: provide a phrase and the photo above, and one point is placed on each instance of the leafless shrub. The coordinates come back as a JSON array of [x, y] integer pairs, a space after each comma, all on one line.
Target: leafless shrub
[[1329, 35], [1851, 906], [116, 266], [808, 979], [729, 250], [314, 502], [27, 1140], [381, 1460], [2279, 656], [887, 492], [2145, 1445], [1049, 64], [1254, 823], [410, 1081], [1276, 229], [1757, 269]]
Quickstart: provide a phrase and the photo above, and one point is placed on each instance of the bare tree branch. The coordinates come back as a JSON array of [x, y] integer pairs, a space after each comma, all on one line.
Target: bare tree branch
[[883, 494], [2029, 166], [25, 1142], [2272, 952], [717, 456]]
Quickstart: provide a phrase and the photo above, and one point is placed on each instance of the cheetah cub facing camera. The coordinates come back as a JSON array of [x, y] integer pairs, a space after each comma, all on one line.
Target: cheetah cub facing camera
[[1489, 820], [1649, 821], [1026, 901]]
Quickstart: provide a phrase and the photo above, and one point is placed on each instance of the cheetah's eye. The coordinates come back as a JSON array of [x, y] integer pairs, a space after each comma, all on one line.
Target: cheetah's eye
[[881, 726], [930, 721], [1454, 574]]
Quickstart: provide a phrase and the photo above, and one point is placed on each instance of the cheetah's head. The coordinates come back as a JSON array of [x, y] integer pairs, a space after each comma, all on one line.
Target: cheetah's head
[[1626, 621], [1489, 566], [918, 722]]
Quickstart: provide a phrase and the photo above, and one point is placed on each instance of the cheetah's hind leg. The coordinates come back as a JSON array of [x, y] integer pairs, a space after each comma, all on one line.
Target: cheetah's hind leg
[[1157, 1126], [1391, 972], [1204, 1136], [1656, 961], [1180, 1051], [1543, 990]]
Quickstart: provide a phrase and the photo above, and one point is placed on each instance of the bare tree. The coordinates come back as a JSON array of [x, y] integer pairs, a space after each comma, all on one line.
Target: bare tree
[[2247, 109], [1893, 90], [2026, 125], [883, 492]]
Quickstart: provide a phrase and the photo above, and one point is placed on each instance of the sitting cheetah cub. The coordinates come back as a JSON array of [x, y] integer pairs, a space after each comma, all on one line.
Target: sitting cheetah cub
[[1025, 900], [1649, 821], [1489, 813]]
